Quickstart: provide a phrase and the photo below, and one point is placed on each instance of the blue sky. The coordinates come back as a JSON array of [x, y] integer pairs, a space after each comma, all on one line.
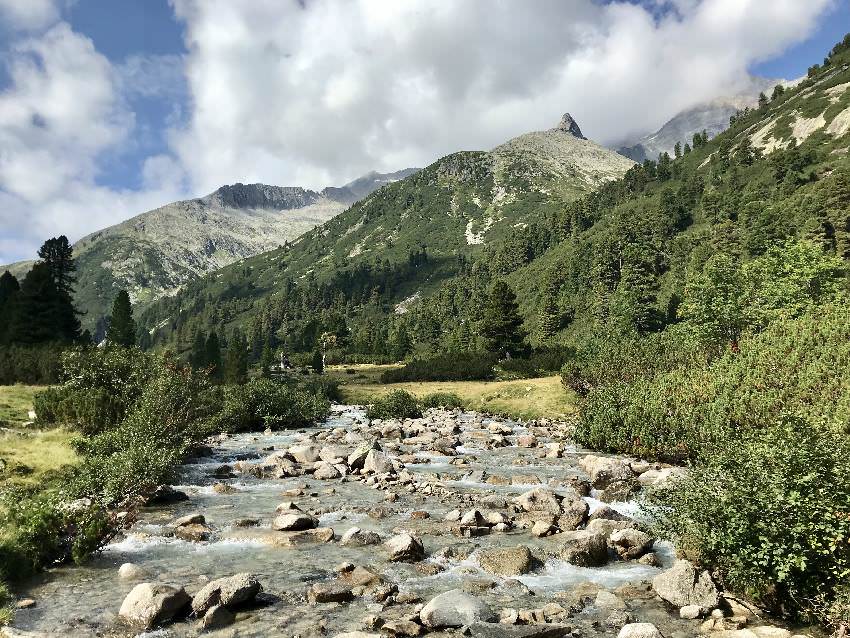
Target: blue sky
[[109, 108]]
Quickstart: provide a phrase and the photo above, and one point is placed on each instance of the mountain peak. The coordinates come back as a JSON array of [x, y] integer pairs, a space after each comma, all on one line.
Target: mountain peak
[[569, 125], [260, 196]]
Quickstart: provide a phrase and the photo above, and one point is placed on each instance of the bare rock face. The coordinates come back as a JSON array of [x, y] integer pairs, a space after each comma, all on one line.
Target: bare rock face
[[683, 585], [150, 604], [569, 125], [227, 592], [455, 608]]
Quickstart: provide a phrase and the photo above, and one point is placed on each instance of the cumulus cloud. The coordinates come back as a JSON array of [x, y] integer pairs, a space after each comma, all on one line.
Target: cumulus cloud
[[30, 14], [317, 92], [61, 113]]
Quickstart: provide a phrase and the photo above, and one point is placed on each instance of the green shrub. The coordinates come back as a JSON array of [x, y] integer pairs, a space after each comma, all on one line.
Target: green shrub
[[265, 403], [770, 509], [7, 611], [34, 365], [172, 414], [787, 370], [397, 404], [442, 400], [463, 366], [539, 363], [101, 386]]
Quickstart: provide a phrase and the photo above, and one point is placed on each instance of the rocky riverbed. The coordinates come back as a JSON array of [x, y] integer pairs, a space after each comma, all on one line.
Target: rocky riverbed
[[454, 524]]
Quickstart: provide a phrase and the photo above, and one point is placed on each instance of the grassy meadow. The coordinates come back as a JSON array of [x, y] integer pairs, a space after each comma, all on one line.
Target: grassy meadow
[[27, 456], [523, 398]]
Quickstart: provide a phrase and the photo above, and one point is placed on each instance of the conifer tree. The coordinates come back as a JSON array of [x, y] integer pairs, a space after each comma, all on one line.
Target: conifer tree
[[9, 288], [501, 325], [198, 355], [548, 319], [317, 362], [122, 326], [41, 313], [236, 360], [213, 355]]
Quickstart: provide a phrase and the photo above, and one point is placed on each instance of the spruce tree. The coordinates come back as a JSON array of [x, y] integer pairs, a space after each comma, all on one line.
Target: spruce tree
[[317, 362], [501, 324], [9, 288], [213, 355], [122, 326], [58, 255], [236, 360], [41, 311], [198, 354], [548, 320]]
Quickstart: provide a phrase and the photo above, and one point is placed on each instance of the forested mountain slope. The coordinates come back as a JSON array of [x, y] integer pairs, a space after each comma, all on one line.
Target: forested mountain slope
[[398, 242]]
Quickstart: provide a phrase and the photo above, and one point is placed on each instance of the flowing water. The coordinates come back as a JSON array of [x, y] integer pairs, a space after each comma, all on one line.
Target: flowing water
[[84, 600]]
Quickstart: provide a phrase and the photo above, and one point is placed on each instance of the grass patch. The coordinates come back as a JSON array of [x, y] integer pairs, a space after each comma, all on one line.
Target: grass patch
[[30, 457], [15, 403], [523, 399]]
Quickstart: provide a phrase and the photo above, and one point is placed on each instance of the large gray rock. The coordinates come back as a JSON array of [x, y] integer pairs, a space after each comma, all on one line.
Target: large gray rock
[[507, 561], [305, 453], [500, 630], [356, 537], [405, 548], [539, 499], [455, 608], [640, 630], [228, 592], [683, 585], [150, 604], [217, 617], [329, 592], [604, 470], [294, 522], [630, 543], [585, 549], [377, 463]]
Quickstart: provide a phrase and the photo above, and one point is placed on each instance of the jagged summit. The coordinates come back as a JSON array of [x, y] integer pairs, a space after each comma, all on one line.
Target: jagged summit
[[569, 125], [260, 196]]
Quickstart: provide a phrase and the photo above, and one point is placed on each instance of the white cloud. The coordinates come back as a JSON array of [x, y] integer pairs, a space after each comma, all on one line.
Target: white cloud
[[316, 92], [61, 112], [30, 14]]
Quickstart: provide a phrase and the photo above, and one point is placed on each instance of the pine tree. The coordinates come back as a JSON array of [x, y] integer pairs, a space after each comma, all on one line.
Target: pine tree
[[213, 355], [236, 360], [198, 354], [57, 257], [122, 326], [548, 317], [501, 325], [317, 362], [41, 313], [677, 150], [9, 288], [266, 361]]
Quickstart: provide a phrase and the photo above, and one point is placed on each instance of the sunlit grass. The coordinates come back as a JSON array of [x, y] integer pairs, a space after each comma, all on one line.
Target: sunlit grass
[[525, 398], [15, 404], [28, 457]]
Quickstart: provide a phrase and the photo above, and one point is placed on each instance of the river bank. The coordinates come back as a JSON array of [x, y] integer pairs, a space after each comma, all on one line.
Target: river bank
[[511, 515]]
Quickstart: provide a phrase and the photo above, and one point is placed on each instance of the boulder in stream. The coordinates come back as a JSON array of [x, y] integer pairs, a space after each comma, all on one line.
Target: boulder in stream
[[230, 591], [584, 548], [640, 630], [683, 585], [455, 608], [151, 604], [405, 548], [508, 561]]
